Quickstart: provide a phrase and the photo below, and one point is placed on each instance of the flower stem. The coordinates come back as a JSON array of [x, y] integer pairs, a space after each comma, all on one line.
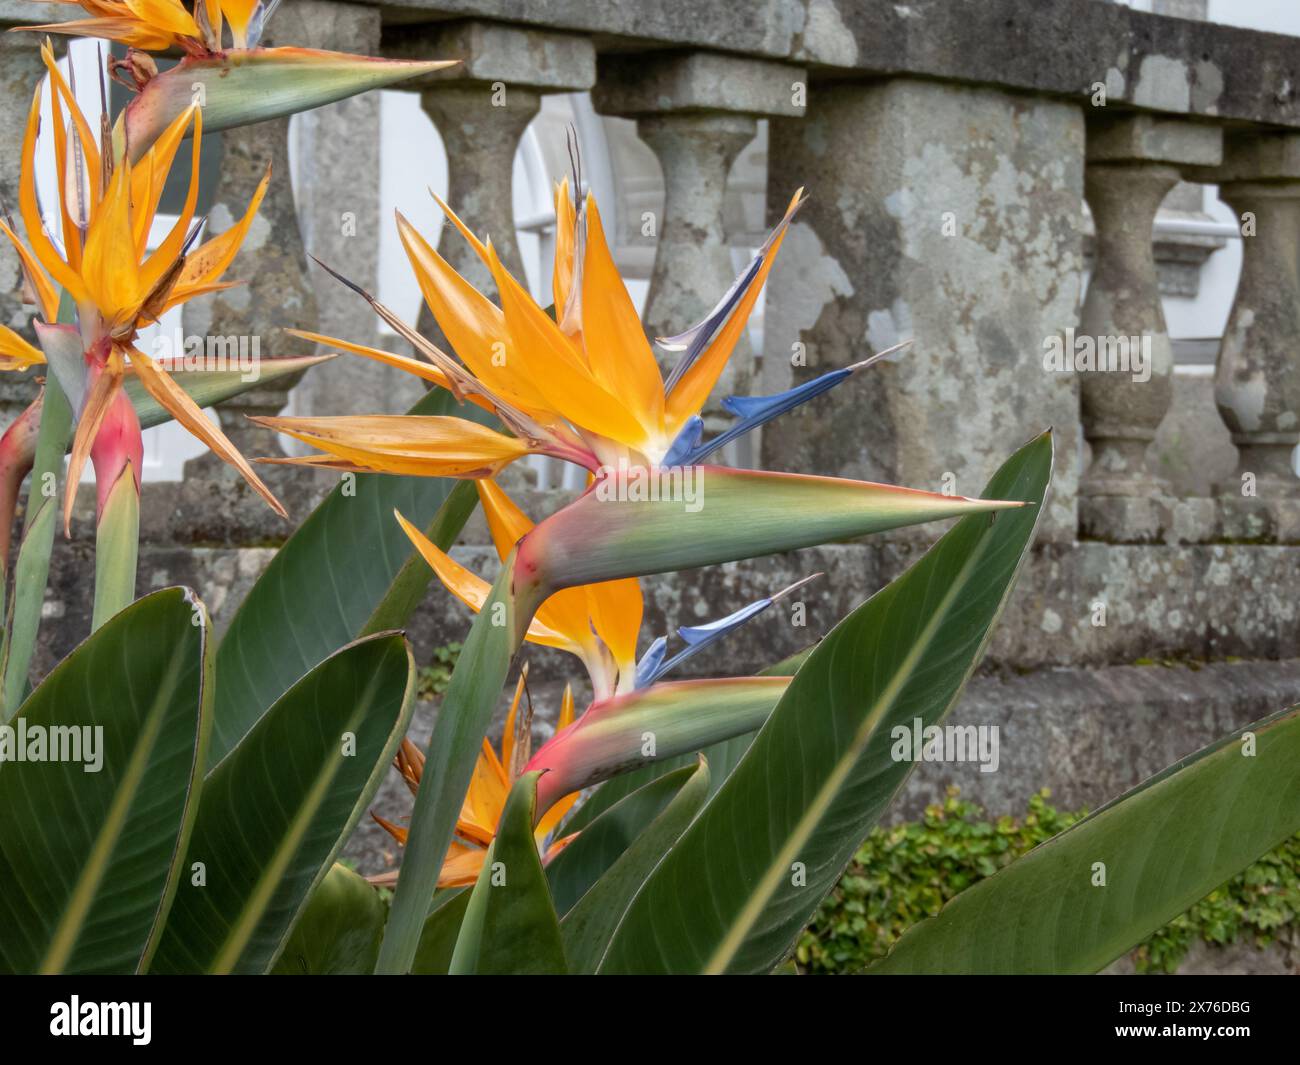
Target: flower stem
[[117, 453], [32, 565], [116, 548]]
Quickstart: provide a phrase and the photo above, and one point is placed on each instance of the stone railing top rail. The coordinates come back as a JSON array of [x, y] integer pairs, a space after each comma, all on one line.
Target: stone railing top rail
[[26, 13], [1053, 47]]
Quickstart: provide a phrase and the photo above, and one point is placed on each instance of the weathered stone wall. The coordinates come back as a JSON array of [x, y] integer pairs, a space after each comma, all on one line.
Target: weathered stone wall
[[951, 216]]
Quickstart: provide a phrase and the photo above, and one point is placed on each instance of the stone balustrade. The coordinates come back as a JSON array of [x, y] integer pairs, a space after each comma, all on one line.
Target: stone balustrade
[[949, 150]]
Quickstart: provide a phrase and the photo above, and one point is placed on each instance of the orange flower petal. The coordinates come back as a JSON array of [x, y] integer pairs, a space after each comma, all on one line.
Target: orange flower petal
[[474, 326], [562, 275], [401, 362], [461, 867], [506, 522], [160, 164], [616, 608], [109, 268], [211, 259], [565, 611], [396, 831], [15, 352], [177, 401], [238, 13], [87, 139], [432, 446], [165, 15], [471, 589], [126, 30], [508, 733], [616, 345], [46, 292], [689, 394], [553, 364], [30, 210]]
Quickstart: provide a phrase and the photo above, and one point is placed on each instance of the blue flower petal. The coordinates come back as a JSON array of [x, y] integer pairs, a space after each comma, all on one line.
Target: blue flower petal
[[754, 411], [698, 637], [702, 635], [695, 340], [687, 441], [648, 668]]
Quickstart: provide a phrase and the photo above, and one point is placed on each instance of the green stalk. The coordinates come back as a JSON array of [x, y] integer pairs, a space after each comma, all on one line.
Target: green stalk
[[463, 718], [117, 545], [32, 567]]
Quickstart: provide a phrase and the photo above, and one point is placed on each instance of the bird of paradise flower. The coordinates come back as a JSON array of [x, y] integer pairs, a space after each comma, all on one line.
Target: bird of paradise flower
[[97, 255]]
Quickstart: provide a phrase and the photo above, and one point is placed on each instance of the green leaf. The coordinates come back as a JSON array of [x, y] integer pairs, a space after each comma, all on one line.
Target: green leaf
[[339, 929], [589, 926], [324, 586], [209, 387], [441, 929], [277, 809], [242, 87], [572, 872], [750, 871], [463, 718], [117, 544], [90, 860], [1164, 846], [510, 924], [411, 584]]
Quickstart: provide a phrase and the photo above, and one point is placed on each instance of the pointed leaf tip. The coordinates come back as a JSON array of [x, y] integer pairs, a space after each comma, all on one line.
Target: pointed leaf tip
[[243, 87], [731, 515]]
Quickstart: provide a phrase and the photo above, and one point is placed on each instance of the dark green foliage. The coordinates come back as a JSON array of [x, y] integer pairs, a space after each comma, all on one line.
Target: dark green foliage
[[907, 872]]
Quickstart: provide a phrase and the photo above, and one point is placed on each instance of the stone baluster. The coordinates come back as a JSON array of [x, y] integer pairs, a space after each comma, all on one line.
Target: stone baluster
[[481, 109], [20, 72], [1122, 352], [950, 215], [337, 153], [1257, 377], [277, 294], [697, 112]]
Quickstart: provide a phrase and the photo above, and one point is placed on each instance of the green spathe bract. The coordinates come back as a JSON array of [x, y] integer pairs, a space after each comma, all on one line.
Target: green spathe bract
[[117, 545], [241, 88], [659, 722], [209, 387], [733, 515]]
